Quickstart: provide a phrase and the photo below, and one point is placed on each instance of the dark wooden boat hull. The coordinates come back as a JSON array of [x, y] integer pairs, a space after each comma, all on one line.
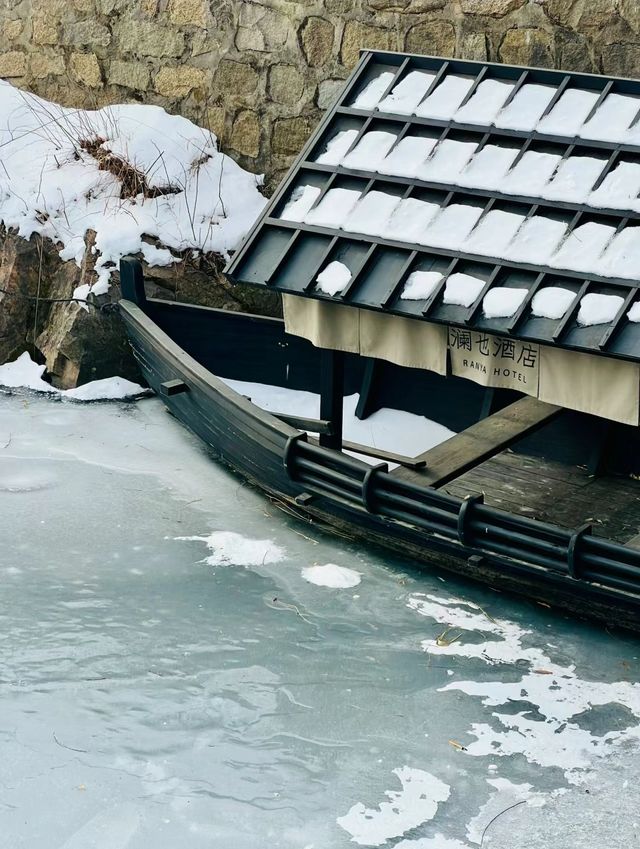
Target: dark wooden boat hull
[[258, 445]]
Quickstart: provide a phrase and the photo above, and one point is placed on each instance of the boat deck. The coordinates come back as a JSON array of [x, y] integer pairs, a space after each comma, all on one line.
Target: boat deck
[[551, 491]]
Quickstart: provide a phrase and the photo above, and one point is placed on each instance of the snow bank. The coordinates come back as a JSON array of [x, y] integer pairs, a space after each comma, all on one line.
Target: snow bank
[[332, 576], [51, 182], [23, 373]]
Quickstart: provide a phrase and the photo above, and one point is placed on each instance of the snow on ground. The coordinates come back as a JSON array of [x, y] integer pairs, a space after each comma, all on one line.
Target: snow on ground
[[23, 373], [231, 549], [405, 809], [331, 575], [51, 182]]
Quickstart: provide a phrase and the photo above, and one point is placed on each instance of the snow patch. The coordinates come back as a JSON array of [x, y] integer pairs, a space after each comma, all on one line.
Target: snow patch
[[634, 313], [485, 103], [420, 285], [334, 208], [407, 94], [231, 549], [372, 148], [373, 91], [507, 795], [462, 289], [502, 302], [337, 147], [444, 101], [552, 302], [526, 108], [598, 309], [334, 278], [301, 201], [331, 575]]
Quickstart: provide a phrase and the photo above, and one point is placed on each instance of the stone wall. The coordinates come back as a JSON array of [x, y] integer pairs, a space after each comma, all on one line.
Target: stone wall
[[259, 73]]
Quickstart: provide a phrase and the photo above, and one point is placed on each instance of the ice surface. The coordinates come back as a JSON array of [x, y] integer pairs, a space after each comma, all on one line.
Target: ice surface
[[451, 226], [445, 99], [531, 174], [574, 179], [407, 156], [420, 285], [569, 113], [612, 118], [411, 219], [537, 240], [583, 247], [526, 108], [598, 309], [373, 91], [620, 188], [407, 94], [488, 167], [485, 103], [302, 199], [370, 151], [622, 257], [232, 549], [552, 302], [334, 208], [417, 802], [331, 575], [502, 302], [333, 278], [447, 161], [462, 289], [372, 213], [337, 147], [634, 313], [493, 233]]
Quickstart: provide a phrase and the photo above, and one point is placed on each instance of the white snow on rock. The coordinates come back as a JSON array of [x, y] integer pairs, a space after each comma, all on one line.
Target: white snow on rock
[[301, 201], [445, 99], [462, 289], [332, 576], [405, 809], [373, 91], [526, 108], [370, 151], [24, 373], [569, 113], [337, 147], [51, 184], [420, 285], [333, 278], [407, 157], [485, 103], [598, 309], [407, 94], [372, 213], [447, 161], [634, 313], [552, 302], [333, 209], [502, 302], [612, 119], [232, 549]]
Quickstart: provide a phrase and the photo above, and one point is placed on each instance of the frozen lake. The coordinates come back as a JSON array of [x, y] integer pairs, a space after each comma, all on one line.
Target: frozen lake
[[170, 679]]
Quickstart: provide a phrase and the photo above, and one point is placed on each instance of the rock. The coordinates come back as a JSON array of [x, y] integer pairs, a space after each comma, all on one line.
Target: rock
[[11, 29], [328, 92], [358, 36], [250, 38], [235, 79], [493, 8], [245, 134], [43, 66], [435, 38], [216, 120], [316, 39], [573, 52], [286, 84], [145, 38], [526, 47], [44, 30], [88, 34], [409, 6], [13, 64], [290, 134], [176, 82], [193, 13], [473, 46], [128, 74], [621, 60], [85, 69]]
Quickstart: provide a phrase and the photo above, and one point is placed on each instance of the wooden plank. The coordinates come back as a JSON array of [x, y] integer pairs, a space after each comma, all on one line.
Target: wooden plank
[[482, 440], [331, 395], [302, 423], [390, 456]]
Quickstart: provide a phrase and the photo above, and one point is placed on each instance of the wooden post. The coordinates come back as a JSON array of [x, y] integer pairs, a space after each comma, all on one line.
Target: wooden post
[[367, 401], [331, 396]]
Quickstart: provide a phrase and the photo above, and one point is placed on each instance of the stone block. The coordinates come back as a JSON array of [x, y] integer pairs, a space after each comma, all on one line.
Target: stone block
[[527, 46], [193, 13], [87, 33], [473, 46], [621, 60], [286, 84], [44, 30], [147, 38], [410, 6], [328, 92], [250, 38], [290, 134], [128, 74], [316, 40], [573, 52], [85, 69], [84, 6], [176, 82], [245, 134], [235, 79], [216, 120], [43, 66], [435, 38], [492, 8], [358, 36], [13, 64], [11, 29]]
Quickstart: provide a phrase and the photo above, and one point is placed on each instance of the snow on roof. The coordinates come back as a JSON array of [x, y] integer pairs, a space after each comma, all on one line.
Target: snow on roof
[[52, 182]]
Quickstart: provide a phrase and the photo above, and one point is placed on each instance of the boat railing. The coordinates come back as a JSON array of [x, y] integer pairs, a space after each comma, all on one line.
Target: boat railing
[[516, 542]]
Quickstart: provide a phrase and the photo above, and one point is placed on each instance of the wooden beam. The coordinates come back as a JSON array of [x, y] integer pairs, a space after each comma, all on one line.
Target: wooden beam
[[389, 456], [331, 396], [366, 400], [302, 423], [479, 442]]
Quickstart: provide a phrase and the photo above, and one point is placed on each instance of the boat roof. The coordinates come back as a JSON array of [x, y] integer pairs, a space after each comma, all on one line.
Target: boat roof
[[491, 197]]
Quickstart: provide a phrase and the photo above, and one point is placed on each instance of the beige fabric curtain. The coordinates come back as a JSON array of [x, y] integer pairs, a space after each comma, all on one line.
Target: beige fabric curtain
[[325, 325], [494, 361], [597, 385]]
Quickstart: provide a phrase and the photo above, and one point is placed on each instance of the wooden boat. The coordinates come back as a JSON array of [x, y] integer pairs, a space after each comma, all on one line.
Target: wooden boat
[[537, 492]]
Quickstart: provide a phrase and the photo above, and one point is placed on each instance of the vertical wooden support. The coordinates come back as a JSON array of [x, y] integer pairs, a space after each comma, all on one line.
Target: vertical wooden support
[[366, 401], [331, 396], [132, 280]]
